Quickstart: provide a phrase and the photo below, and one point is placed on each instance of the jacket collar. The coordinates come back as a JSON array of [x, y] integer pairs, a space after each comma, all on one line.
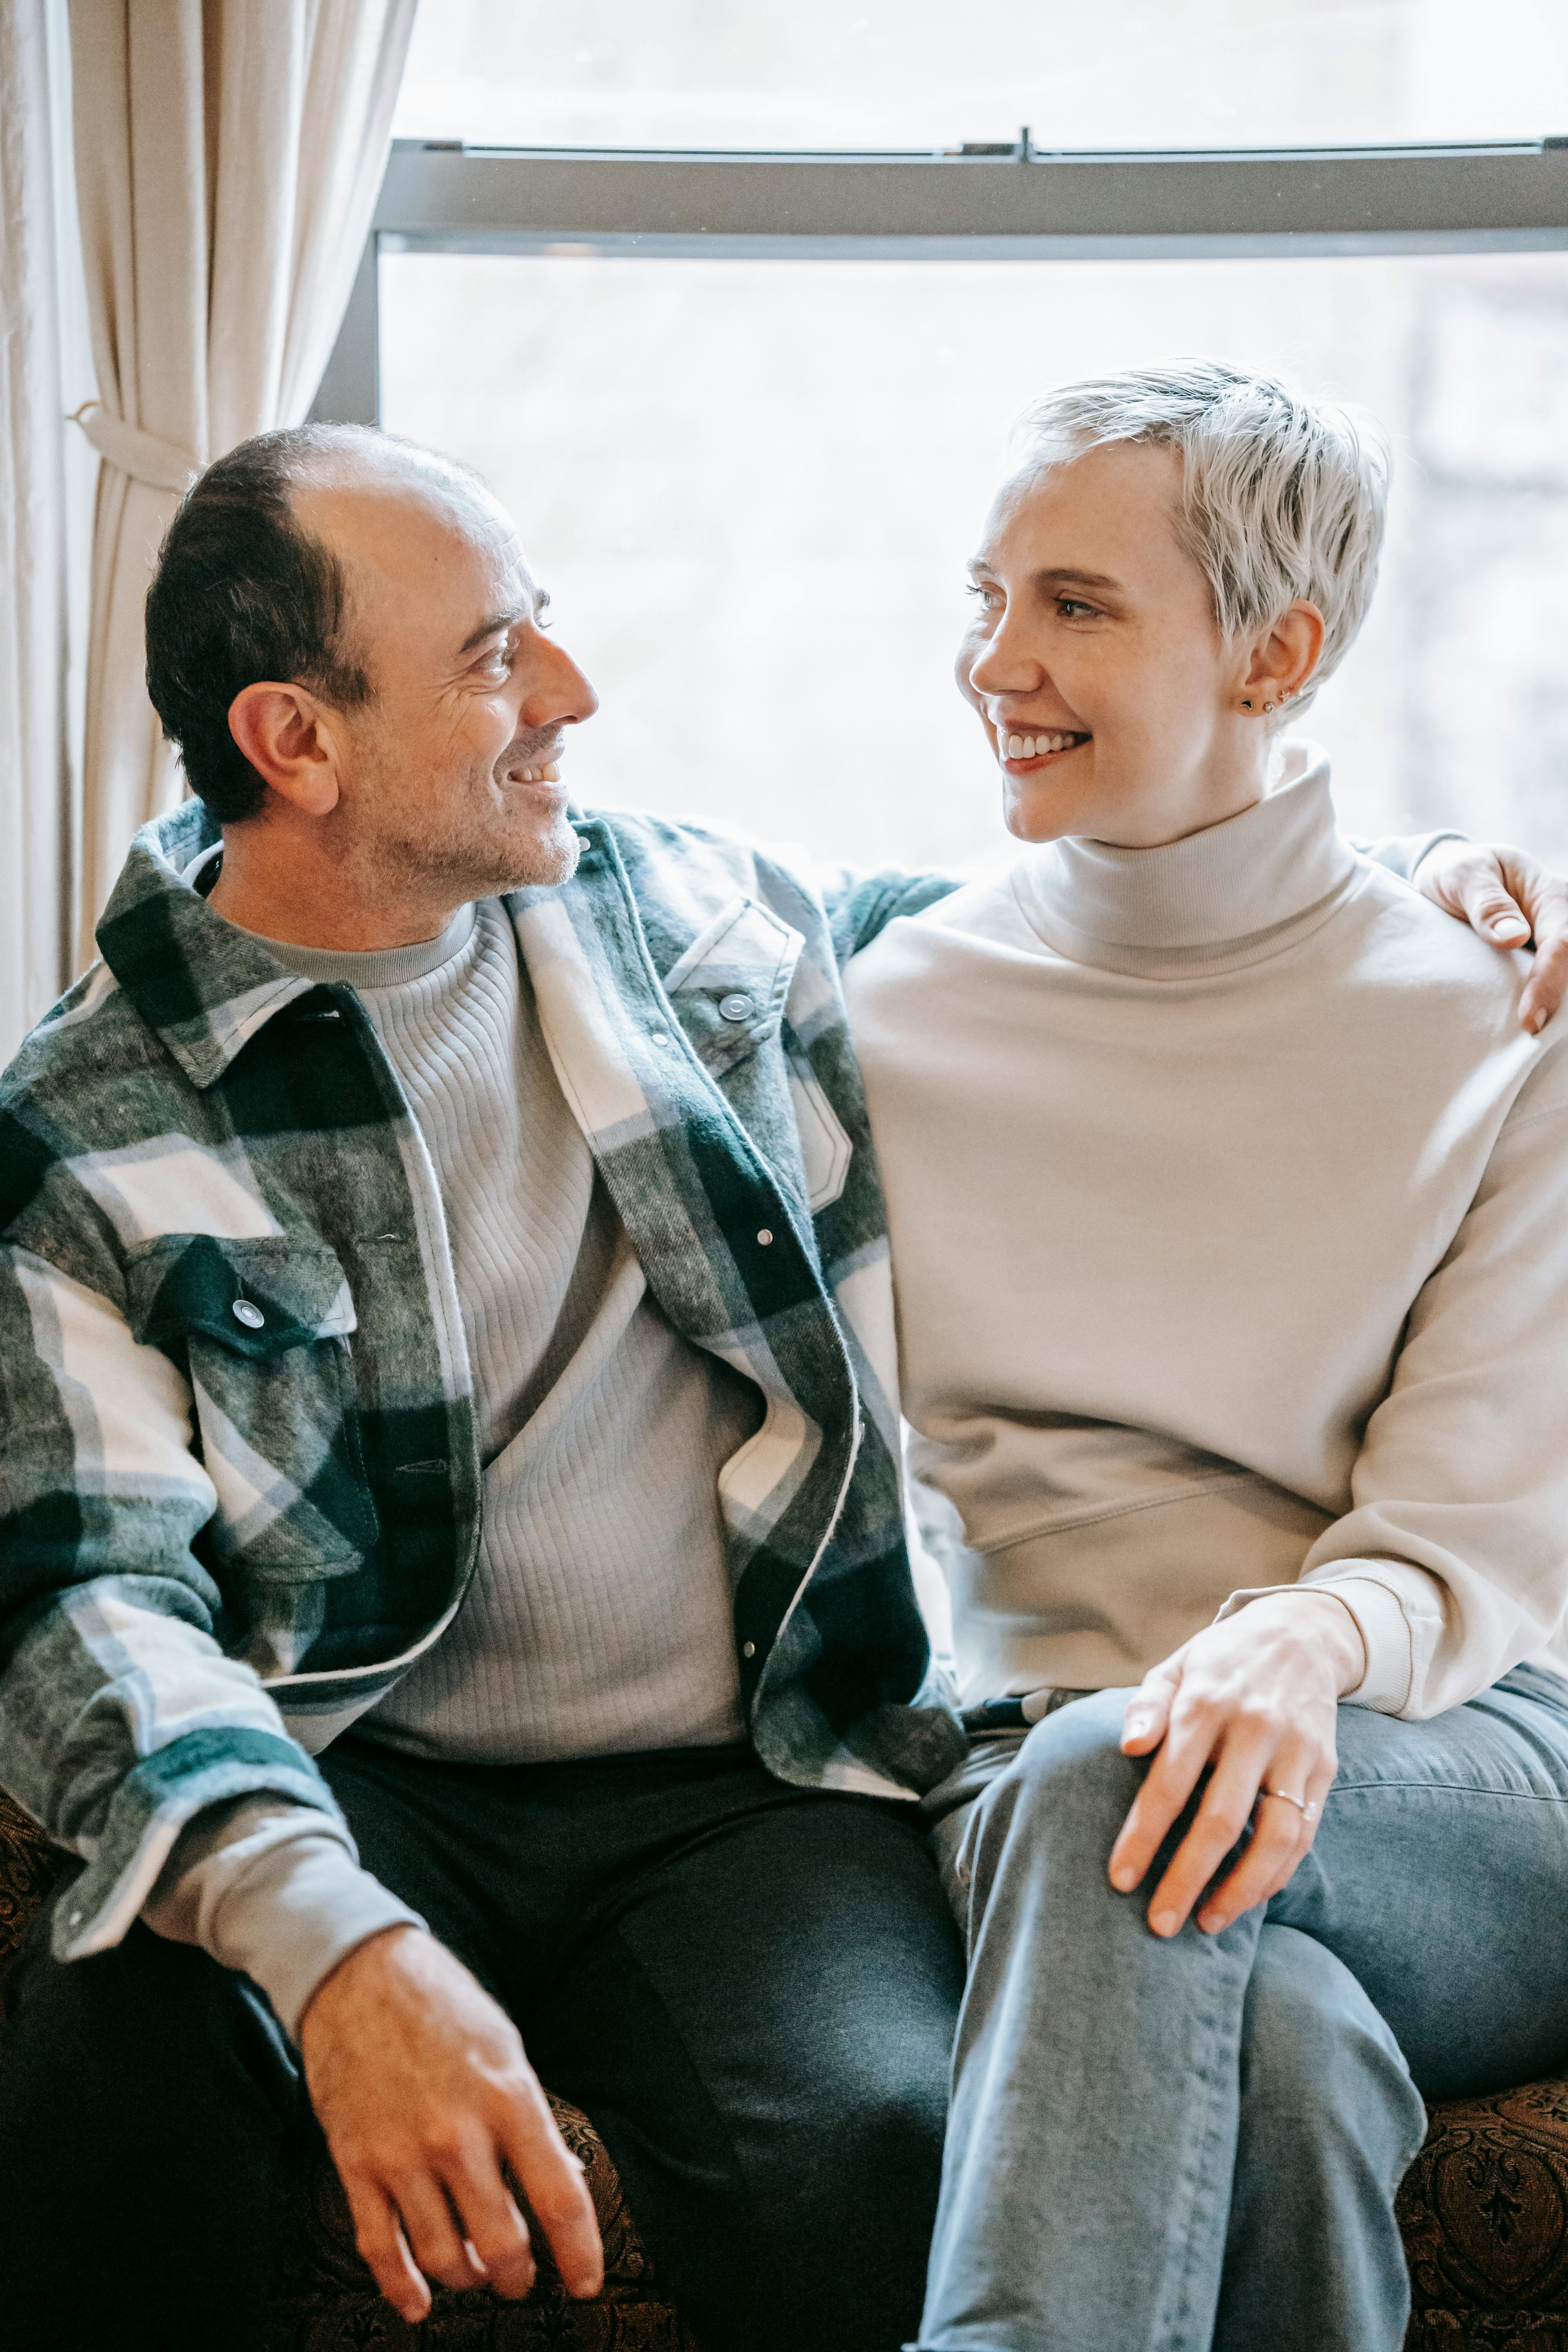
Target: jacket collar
[[202, 986]]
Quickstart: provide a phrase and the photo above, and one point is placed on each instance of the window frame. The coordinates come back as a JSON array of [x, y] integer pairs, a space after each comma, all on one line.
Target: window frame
[[1023, 204]]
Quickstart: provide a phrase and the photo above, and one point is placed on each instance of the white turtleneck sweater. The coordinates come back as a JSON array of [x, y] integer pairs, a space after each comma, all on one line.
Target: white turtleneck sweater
[[1229, 1209]]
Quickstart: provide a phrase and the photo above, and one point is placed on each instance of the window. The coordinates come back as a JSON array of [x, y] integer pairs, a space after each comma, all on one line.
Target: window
[[749, 463]]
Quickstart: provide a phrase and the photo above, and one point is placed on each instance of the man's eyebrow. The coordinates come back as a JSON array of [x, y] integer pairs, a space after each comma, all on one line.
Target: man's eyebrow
[[497, 622]]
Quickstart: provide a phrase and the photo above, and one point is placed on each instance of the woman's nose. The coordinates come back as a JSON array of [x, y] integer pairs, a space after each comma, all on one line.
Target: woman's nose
[[1003, 665]]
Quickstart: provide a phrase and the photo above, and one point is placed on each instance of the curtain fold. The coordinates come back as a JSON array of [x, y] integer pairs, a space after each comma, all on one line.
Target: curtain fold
[[228, 154], [35, 770]]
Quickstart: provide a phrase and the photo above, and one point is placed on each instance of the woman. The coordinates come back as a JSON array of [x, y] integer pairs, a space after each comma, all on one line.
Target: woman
[[1229, 1205]]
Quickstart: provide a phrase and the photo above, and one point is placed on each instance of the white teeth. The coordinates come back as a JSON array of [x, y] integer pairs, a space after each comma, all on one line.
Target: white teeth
[[552, 774], [1015, 747]]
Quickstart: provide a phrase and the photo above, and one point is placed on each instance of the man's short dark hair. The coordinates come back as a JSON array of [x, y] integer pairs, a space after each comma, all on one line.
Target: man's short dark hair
[[240, 595]]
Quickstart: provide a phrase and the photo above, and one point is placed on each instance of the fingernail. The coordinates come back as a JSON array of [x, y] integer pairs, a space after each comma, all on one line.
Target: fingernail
[[1123, 1877], [1510, 926], [1537, 1024], [1163, 1923]]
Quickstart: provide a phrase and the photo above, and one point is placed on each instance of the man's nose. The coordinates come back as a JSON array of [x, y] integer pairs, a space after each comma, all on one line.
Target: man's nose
[[558, 694]]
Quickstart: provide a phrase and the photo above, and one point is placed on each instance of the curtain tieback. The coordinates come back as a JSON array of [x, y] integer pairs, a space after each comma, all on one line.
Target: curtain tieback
[[142, 455]]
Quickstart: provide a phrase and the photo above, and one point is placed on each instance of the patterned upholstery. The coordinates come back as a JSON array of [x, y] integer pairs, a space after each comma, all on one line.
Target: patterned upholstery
[[1483, 2210]]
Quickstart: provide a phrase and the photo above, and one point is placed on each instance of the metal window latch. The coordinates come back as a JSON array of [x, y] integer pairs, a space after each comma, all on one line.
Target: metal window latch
[[1021, 149]]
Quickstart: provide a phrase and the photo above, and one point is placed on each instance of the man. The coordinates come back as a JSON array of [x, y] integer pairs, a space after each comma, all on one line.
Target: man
[[446, 1331]]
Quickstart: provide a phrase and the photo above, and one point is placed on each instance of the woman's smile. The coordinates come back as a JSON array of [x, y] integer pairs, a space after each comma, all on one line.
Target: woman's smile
[[1022, 754]]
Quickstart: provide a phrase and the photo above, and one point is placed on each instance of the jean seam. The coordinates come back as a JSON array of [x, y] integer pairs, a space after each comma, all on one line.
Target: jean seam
[[1449, 1789], [1172, 2326]]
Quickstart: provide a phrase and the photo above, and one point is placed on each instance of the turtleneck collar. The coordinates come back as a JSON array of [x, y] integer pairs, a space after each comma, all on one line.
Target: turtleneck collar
[[1213, 902]]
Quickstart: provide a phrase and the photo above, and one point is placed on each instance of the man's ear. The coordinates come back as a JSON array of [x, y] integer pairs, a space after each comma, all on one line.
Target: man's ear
[[290, 738]]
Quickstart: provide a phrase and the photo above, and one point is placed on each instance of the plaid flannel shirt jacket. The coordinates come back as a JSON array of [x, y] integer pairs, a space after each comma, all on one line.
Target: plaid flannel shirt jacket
[[239, 1483]]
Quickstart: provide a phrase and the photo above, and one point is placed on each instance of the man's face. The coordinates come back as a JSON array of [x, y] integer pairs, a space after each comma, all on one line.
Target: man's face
[[450, 772]]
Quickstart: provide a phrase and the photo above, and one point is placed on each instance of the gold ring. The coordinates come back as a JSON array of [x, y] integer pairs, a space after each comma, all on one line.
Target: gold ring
[[1309, 1813]]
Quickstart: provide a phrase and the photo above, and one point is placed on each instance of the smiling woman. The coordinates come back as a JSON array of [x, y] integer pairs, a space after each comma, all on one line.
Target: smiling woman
[[1260, 1596], [1083, 679]]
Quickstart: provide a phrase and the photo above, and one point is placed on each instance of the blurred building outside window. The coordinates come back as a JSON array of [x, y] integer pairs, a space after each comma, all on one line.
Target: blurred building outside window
[[751, 486]]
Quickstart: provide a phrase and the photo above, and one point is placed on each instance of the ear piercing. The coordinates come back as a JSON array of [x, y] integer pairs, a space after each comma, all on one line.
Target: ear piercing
[[1285, 697]]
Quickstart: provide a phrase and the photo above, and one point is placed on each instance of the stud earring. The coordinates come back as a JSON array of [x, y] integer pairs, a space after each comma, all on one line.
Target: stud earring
[[1269, 706]]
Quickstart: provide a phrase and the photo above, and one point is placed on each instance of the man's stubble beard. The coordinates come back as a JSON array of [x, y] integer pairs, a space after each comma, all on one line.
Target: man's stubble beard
[[459, 848]]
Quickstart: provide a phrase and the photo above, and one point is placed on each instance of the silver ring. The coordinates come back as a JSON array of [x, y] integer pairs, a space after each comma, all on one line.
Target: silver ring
[[1309, 1813]]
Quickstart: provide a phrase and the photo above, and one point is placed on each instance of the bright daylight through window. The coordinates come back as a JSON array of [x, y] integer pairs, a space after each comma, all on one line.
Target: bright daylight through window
[[751, 484]]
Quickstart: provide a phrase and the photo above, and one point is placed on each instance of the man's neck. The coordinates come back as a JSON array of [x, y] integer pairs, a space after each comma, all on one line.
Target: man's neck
[[286, 906]]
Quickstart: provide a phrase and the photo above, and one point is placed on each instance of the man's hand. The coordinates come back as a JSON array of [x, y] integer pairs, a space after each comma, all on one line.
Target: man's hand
[[1257, 1696], [421, 2085], [1508, 898]]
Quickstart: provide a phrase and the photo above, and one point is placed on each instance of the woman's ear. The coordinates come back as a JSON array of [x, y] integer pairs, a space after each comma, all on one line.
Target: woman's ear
[[1285, 659], [290, 740]]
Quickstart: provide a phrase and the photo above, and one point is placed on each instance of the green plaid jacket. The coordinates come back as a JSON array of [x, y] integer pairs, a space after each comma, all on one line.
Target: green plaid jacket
[[240, 1483]]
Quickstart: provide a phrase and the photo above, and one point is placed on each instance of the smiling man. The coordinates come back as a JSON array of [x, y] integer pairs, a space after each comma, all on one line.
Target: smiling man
[[452, 1570], [442, 1323]]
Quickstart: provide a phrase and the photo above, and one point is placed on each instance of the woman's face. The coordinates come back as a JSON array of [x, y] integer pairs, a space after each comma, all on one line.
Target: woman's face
[[1093, 660]]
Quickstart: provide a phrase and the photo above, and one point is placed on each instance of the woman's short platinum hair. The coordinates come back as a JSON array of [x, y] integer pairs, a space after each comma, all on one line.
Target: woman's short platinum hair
[[1281, 498]]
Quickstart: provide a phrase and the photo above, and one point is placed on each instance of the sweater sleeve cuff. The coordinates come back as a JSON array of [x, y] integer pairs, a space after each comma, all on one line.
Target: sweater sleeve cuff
[[1403, 854], [275, 1892], [1381, 1620]]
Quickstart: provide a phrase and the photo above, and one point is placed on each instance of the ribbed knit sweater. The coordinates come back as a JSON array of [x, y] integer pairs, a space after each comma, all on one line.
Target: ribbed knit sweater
[[1229, 1213], [599, 1620]]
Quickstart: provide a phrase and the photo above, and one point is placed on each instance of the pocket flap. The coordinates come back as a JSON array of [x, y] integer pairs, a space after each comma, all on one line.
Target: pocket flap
[[730, 986], [290, 1291]]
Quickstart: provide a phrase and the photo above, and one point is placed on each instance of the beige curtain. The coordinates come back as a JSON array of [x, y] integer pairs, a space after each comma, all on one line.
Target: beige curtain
[[34, 768], [227, 158]]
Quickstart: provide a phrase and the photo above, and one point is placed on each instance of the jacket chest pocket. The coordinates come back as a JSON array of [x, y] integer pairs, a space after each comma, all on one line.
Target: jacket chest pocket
[[730, 986], [263, 1329]]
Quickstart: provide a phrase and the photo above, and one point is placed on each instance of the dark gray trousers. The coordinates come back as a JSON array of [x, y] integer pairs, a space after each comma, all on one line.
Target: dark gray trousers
[[751, 1989]]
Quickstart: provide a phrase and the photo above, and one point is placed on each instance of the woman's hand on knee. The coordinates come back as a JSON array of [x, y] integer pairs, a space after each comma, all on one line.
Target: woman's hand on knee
[[1257, 1698]]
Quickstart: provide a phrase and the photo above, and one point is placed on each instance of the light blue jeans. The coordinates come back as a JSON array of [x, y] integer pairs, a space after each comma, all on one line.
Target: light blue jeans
[[1165, 2145]]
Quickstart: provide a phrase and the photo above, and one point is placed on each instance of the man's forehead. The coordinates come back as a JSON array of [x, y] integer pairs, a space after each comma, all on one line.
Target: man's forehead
[[408, 528]]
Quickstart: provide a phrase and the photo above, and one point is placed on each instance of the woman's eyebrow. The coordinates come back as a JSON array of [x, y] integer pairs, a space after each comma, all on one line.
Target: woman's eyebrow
[[1069, 575]]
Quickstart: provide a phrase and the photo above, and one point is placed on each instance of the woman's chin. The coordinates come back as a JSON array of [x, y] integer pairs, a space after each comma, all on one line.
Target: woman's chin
[[1031, 811]]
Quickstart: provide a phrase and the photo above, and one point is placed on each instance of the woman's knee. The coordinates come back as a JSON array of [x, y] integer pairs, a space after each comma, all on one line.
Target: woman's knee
[[1065, 1793], [1319, 2056], [1071, 1766]]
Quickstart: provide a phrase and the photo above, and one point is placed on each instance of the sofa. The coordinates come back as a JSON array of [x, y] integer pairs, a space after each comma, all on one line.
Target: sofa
[[1483, 2210]]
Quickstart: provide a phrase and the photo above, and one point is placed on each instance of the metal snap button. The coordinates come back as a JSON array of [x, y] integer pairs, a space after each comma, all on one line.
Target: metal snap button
[[736, 1007], [765, 1237], [748, 1649], [249, 1314], [659, 1036]]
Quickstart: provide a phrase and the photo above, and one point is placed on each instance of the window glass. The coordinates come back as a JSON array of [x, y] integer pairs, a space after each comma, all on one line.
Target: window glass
[[924, 73], [751, 488]]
